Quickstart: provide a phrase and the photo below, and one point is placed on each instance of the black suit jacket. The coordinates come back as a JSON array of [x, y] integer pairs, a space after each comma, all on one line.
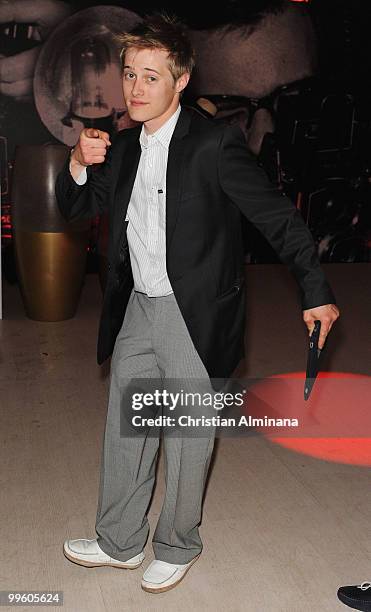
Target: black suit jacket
[[211, 179]]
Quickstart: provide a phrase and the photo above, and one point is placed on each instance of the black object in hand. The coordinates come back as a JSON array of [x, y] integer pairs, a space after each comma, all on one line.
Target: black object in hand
[[313, 358]]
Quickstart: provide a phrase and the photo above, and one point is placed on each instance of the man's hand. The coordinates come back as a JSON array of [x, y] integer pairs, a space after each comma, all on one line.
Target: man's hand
[[16, 71], [90, 149], [327, 314]]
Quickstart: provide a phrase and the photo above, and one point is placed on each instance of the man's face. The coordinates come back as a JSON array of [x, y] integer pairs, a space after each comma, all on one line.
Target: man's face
[[150, 93]]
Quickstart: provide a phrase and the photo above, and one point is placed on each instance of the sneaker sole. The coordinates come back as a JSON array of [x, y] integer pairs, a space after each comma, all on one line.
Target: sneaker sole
[[149, 589], [91, 564], [351, 603]]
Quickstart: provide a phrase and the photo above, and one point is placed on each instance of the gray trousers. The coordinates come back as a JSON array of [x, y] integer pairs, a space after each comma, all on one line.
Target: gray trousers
[[153, 343]]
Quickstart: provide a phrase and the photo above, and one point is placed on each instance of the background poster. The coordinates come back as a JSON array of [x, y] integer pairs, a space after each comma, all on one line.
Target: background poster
[[292, 74]]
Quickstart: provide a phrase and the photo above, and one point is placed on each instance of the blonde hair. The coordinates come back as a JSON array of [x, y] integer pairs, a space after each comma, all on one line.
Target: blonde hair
[[161, 31]]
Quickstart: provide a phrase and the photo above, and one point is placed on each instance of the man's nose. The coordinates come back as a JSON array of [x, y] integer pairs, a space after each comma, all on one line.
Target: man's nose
[[137, 88]]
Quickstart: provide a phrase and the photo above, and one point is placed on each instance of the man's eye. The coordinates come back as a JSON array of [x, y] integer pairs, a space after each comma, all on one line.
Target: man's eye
[[129, 76], [151, 79]]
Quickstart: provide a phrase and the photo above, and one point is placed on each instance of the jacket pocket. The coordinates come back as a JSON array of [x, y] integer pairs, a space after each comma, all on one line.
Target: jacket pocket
[[200, 193]]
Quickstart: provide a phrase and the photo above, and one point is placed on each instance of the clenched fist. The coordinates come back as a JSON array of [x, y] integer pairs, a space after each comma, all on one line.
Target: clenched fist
[[90, 149]]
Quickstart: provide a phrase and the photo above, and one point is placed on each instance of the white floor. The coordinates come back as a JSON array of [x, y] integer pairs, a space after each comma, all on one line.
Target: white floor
[[281, 530]]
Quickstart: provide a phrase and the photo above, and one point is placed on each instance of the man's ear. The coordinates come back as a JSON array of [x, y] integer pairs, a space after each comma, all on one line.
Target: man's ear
[[182, 82]]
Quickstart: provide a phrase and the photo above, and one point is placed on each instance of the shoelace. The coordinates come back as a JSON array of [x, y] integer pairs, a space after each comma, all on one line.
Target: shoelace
[[364, 586]]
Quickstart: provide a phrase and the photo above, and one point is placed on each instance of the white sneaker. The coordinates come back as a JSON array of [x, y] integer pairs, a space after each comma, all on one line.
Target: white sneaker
[[89, 554], [161, 576]]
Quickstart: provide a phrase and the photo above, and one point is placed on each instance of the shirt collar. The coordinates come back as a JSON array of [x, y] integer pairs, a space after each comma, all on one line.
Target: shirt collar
[[163, 134]]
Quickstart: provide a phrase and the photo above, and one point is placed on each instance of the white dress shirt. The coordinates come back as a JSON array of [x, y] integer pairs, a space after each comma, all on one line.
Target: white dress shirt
[[146, 231]]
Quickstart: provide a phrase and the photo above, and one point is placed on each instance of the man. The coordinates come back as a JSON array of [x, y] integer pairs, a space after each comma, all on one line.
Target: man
[[174, 306]]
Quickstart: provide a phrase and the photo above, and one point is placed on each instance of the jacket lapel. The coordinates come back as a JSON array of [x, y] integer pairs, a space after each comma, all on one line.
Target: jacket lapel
[[124, 187], [174, 173]]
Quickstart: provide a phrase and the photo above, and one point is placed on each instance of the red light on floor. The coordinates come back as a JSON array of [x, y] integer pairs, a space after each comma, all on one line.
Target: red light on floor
[[334, 424], [353, 451]]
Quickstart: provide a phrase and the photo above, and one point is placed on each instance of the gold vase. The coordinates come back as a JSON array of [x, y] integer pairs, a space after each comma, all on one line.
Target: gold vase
[[50, 253]]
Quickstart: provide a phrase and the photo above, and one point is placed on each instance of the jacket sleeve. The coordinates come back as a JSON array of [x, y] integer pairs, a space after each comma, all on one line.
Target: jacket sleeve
[[274, 215], [88, 200]]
